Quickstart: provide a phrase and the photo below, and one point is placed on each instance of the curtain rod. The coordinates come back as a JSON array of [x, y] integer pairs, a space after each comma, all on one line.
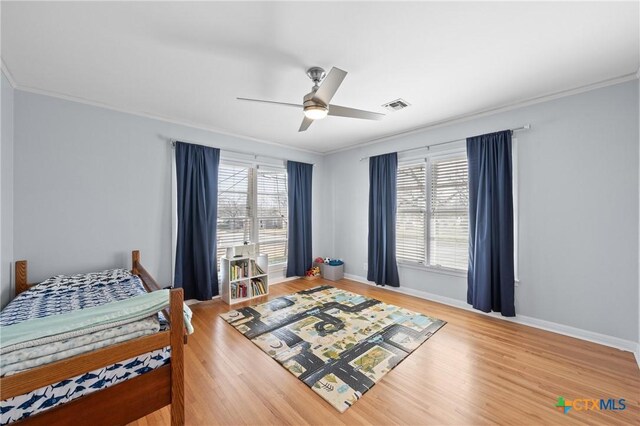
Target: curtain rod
[[524, 127], [255, 156]]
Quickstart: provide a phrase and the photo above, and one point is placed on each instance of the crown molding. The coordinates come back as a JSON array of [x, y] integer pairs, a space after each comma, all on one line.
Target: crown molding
[[185, 123], [495, 110], [433, 125], [193, 125], [7, 73]]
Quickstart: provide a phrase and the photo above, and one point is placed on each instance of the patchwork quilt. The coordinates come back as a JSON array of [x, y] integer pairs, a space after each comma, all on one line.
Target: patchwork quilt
[[337, 342]]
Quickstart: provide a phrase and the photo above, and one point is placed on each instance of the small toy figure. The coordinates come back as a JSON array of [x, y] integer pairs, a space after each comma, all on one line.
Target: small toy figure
[[313, 272]]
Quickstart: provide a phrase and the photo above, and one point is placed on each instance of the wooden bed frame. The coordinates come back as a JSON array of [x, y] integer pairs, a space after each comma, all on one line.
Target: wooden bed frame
[[126, 401]]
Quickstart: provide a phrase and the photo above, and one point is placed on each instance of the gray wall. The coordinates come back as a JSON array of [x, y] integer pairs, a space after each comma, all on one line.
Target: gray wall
[[6, 191], [92, 184], [578, 171]]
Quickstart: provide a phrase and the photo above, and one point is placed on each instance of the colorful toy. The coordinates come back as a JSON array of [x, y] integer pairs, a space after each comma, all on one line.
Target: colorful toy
[[313, 272]]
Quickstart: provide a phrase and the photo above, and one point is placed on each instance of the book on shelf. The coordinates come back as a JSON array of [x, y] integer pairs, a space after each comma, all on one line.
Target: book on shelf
[[258, 269], [244, 278], [239, 271], [258, 286], [238, 290]]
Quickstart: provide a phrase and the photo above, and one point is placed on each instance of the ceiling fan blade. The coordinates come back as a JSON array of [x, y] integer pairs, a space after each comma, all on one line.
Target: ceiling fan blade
[[306, 122], [341, 111], [330, 85], [270, 102]]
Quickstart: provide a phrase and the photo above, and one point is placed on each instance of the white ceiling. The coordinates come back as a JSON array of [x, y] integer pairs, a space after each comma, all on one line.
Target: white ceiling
[[188, 61]]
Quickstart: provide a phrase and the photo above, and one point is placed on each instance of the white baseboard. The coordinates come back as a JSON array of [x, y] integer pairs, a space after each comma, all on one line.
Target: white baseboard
[[283, 280], [578, 333], [190, 302]]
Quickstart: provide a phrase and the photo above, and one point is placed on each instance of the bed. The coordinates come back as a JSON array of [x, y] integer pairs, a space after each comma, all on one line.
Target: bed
[[113, 375]]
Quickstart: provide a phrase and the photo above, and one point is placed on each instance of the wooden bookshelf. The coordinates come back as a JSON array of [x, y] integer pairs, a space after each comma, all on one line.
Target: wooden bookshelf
[[244, 278]]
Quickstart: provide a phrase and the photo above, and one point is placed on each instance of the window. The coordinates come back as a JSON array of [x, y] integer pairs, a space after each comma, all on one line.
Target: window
[[412, 210], [272, 215], [252, 206], [234, 201], [433, 204]]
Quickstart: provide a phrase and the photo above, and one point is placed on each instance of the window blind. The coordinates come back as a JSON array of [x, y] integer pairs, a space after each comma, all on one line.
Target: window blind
[[432, 217], [449, 218], [252, 206], [272, 211], [412, 207], [234, 212]]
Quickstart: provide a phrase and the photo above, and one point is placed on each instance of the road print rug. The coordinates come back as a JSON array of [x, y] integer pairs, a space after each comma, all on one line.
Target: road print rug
[[337, 342]]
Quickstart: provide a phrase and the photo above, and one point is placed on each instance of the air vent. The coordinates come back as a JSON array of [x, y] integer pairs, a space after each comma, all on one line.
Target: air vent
[[396, 105]]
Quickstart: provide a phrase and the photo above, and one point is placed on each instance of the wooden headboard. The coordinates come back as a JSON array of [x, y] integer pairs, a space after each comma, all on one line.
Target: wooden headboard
[[21, 276], [137, 269]]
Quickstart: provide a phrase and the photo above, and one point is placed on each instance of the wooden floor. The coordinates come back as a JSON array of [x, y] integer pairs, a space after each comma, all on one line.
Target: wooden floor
[[475, 370]]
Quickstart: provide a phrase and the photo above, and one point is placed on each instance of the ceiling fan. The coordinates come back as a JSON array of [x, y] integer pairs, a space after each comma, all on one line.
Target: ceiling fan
[[315, 104]]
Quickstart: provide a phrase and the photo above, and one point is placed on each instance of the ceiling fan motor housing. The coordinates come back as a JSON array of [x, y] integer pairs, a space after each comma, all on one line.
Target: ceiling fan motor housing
[[311, 105]]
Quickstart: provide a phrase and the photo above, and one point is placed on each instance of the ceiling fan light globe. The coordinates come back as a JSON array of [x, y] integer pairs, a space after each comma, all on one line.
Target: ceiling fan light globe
[[316, 112]]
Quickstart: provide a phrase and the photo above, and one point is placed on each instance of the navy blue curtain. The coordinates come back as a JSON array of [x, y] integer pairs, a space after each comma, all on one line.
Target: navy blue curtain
[[383, 175], [490, 275], [197, 178], [299, 256]]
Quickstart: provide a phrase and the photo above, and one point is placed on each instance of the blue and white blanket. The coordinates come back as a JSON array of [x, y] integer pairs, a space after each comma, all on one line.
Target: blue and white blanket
[[63, 295]]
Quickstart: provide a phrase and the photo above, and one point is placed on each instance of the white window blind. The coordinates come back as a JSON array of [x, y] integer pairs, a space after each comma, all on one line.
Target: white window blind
[[432, 217], [272, 213], [252, 206], [412, 207], [234, 206], [449, 221]]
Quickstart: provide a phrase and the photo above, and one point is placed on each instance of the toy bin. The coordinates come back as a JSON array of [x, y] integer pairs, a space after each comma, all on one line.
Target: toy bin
[[332, 273]]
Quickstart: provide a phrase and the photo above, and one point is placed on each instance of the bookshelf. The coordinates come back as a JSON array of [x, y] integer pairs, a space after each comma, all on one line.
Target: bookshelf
[[244, 278]]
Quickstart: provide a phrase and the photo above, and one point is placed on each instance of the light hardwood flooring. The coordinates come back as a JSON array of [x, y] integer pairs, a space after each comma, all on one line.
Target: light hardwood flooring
[[475, 370]]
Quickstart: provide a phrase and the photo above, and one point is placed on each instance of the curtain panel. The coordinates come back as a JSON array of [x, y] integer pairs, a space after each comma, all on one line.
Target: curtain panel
[[490, 276], [299, 256], [197, 190], [383, 176]]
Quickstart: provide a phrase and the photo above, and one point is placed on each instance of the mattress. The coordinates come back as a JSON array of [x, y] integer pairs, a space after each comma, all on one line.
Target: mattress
[[60, 295]]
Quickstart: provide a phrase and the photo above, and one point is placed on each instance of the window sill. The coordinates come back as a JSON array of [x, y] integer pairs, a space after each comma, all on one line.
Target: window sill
[[278, 267], [425, 268]]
